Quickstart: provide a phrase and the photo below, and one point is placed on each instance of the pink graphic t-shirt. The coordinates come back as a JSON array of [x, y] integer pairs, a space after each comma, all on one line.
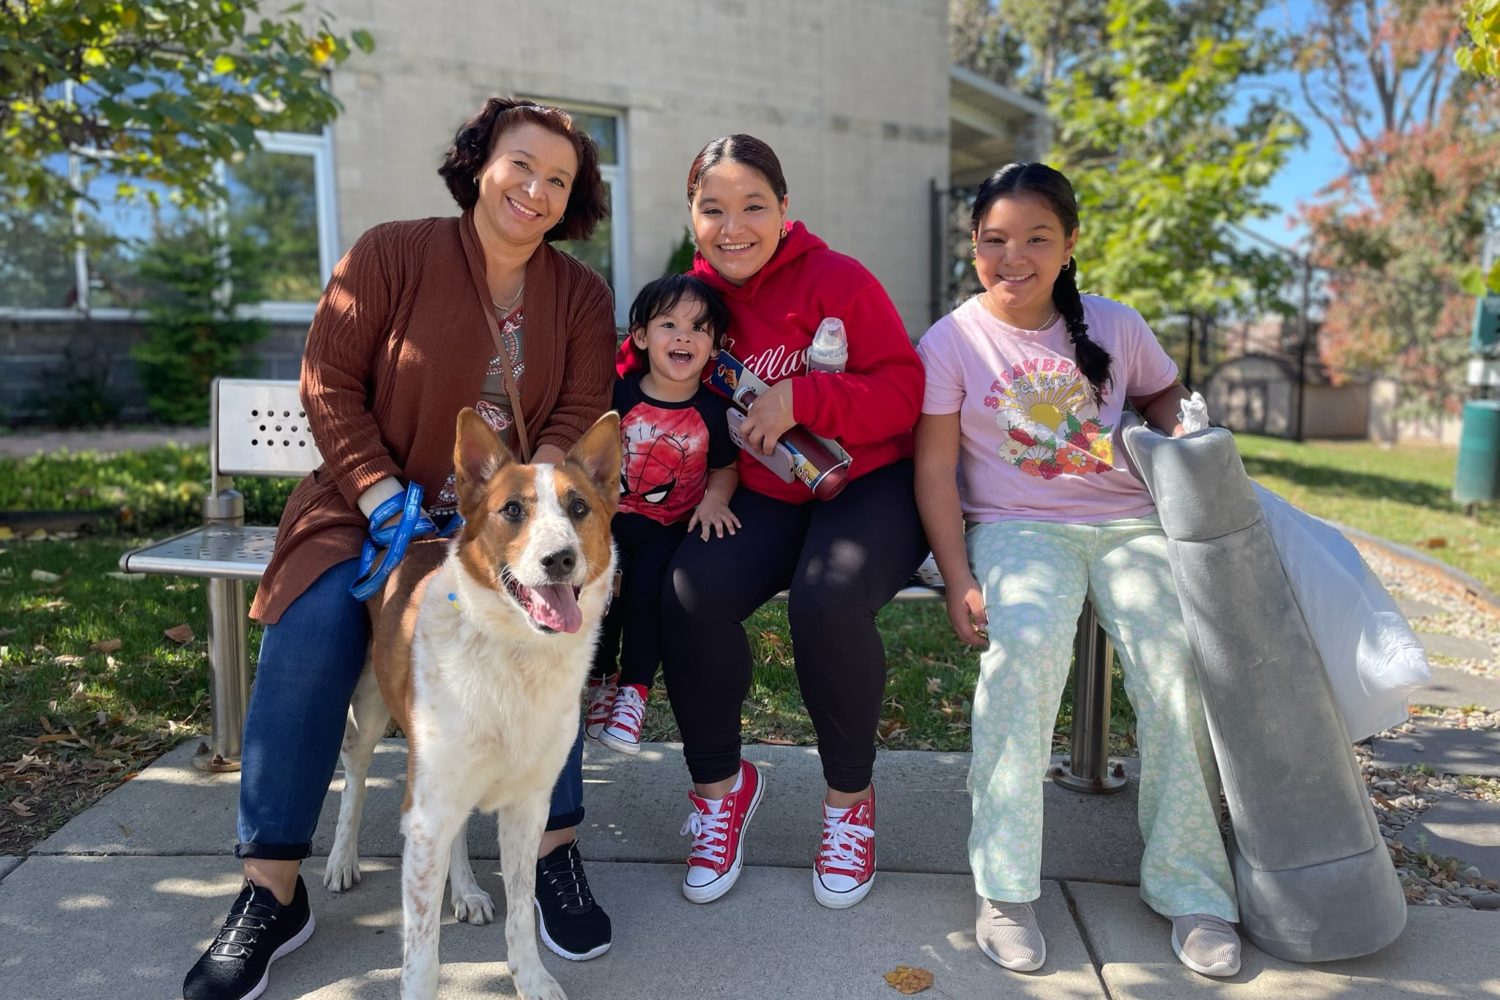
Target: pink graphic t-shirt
[[1033, 446]]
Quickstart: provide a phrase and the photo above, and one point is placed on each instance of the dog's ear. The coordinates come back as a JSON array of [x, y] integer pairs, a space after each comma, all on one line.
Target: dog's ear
[[598, 452], [477, 456]]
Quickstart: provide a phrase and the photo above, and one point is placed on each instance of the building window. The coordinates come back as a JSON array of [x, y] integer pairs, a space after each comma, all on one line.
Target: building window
[[279, 198], [608, 250]]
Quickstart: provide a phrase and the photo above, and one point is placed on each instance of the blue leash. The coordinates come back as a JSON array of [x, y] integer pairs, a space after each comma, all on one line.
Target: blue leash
[[395, 539]]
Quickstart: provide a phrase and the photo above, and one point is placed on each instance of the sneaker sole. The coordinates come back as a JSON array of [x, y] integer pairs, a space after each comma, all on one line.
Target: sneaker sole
[[712, 891], [1217, 971], [841, 900], [557, 949], [1014, 966], [290, 945], [621, 746]]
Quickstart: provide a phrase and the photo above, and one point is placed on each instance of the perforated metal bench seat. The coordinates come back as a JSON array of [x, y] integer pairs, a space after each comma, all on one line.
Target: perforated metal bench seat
[[226, 553]]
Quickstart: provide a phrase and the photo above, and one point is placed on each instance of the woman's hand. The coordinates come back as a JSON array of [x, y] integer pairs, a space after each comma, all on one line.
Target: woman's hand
[[713, 514], [966, 611], [770, 417]]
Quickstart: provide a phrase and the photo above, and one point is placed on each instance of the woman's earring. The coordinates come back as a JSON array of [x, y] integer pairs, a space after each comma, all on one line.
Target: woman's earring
[[782, 235], [1068, 266]]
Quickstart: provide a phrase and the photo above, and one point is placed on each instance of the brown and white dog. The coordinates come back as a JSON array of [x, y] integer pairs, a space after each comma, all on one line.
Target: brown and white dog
[[479, 652]]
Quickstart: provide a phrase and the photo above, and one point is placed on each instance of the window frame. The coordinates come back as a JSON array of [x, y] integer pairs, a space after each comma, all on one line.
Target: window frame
[[616, 175], [318, 146]]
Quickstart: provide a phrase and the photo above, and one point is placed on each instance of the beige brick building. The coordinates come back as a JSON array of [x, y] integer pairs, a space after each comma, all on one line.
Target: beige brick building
[[854, 95]]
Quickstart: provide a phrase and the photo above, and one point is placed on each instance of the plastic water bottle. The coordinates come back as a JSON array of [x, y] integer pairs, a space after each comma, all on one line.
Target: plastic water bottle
[[830, 347]]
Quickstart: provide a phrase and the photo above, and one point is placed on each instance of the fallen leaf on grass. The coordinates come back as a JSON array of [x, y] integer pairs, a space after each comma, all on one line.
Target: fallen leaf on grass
[[107, 645], [1435, 543], [934, 685], [67, 660], [180, 634], [19, 808], [909, 979], [127, 577], [42, 576], [776, 741]]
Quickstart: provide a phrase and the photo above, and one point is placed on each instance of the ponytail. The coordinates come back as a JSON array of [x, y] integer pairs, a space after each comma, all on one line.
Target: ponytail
[[1093, 359]]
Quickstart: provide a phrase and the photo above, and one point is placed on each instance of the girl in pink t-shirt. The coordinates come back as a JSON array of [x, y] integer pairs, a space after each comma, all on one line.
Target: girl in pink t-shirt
[[1029, 513]]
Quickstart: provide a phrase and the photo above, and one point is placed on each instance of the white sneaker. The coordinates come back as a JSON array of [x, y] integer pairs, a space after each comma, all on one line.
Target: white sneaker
[[623, 733], [601, 697], [1206, 944], [1009, 935]]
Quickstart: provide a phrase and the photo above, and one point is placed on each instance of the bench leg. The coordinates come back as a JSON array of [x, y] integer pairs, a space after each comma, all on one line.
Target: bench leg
[[229, 676], [1089, 768]]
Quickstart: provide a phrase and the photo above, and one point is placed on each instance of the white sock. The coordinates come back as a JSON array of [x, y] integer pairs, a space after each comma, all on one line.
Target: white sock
[[832, 812], [714, 805]]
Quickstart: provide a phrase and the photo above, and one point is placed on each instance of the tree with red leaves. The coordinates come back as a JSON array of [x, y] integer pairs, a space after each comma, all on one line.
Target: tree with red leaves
[[1400, 231]]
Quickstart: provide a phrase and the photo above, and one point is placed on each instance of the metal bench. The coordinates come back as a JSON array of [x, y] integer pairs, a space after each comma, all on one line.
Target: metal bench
[[259, 429]]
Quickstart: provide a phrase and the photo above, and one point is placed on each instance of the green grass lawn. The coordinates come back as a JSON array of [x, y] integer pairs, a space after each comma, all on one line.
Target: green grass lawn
[[1401, 493]]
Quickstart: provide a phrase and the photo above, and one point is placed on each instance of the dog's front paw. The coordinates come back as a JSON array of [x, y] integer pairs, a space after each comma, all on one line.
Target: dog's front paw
[[342, 872], [538, 985], [474, 906]]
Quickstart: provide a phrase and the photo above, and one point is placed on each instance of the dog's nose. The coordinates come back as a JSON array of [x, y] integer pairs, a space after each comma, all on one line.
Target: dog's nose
[[560, 564]]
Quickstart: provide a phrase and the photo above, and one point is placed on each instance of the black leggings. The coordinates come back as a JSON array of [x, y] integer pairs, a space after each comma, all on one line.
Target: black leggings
[[645, 548], [842, 561]]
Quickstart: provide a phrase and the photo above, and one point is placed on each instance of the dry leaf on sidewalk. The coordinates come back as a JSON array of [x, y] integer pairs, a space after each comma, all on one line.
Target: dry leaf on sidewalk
[[180, 634], [909, 979]]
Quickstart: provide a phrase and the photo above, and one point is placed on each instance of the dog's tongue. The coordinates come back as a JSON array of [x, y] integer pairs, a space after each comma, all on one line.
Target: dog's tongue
[[555, 607]]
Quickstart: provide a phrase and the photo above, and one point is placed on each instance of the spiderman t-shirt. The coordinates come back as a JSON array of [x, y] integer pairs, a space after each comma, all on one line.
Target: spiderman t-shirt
[[669, 449]]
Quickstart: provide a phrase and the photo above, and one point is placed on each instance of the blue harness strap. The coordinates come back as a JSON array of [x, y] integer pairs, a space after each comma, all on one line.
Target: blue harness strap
[[394, 538]]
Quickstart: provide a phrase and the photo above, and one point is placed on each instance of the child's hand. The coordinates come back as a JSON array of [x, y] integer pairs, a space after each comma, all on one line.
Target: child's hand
[[714, 515], [966, 612]]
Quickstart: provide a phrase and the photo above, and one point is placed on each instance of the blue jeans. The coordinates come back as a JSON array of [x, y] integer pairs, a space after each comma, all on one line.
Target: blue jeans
[[310, 661]]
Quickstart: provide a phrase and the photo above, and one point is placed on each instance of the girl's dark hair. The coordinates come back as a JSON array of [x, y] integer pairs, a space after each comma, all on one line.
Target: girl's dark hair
[[588, 201], [743, 149], [1051, 186], [663, 294]]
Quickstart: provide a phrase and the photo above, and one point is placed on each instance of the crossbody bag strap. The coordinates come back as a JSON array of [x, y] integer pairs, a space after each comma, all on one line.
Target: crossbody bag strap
[[507, 377]]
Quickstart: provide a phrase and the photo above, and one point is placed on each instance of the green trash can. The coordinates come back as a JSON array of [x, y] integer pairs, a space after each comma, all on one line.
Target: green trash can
[[1478, 478]]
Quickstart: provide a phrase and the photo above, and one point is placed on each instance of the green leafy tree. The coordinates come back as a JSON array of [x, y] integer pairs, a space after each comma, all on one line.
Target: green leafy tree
[[1402, 228], [1481, 56], [157, 92], [1167, 156], [1023, 44]]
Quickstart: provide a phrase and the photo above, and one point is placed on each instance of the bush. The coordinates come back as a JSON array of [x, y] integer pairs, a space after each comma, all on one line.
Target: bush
[[193, 332], [680, 259]]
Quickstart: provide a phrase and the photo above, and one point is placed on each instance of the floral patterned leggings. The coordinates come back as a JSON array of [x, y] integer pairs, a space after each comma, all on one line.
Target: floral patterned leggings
[[1035, 576]]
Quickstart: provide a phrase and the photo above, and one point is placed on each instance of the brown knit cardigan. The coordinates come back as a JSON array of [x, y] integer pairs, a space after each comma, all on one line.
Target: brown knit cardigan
[[397, 347]]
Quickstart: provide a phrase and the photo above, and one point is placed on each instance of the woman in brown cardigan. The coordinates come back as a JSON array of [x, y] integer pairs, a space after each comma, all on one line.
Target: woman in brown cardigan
[[420, 319]]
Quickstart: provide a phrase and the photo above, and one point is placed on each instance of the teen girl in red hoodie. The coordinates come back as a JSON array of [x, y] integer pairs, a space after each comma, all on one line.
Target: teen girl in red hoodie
[[842, 559]]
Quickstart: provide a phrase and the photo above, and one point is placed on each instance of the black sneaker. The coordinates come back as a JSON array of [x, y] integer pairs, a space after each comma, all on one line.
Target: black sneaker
[[258, 932], [571, 923]]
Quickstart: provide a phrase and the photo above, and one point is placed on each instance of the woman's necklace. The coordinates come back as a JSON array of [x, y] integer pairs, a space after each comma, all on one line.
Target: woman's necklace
[[506, 310], [1051, 318]]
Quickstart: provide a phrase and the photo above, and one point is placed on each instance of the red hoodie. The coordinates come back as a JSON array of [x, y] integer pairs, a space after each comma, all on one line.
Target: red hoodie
[[870, 407]]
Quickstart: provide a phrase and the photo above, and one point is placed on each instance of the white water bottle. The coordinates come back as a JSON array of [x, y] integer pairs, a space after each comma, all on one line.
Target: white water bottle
[[829, 351]]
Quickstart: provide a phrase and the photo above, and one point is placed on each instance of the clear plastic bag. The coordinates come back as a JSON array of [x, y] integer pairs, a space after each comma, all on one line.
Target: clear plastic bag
[[1373, 658]]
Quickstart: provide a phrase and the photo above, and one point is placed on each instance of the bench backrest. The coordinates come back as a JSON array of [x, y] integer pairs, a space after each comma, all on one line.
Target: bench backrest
[[260, 429]]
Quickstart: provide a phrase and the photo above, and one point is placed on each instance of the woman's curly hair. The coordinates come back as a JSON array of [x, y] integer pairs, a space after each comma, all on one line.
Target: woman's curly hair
[[588, 201]]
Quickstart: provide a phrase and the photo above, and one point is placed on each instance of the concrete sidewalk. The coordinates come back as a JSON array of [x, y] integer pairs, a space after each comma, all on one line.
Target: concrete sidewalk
[[121, 901]]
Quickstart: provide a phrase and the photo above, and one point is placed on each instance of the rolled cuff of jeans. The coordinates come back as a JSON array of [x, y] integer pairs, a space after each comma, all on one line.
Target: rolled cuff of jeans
[[562, 821], [273, 852]]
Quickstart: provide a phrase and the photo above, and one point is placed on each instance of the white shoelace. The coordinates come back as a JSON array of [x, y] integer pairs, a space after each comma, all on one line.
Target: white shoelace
[[843, 843], [601, 696], [630, 709], [710, 832]]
